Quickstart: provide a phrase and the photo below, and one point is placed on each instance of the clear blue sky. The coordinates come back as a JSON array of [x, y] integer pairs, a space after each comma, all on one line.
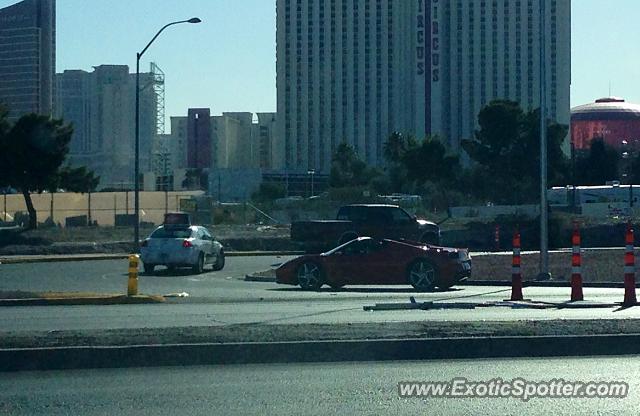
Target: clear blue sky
[[227, 62]]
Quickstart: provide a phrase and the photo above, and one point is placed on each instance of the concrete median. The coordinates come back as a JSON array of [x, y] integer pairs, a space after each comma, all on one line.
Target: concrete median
[[57, 358]]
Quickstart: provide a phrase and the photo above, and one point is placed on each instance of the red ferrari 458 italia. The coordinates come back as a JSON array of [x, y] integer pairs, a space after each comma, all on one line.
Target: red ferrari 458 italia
[[366, 261]]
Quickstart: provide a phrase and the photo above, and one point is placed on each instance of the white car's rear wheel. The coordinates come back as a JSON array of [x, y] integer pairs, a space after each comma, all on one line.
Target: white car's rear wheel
[[199, 266], [219, 265]]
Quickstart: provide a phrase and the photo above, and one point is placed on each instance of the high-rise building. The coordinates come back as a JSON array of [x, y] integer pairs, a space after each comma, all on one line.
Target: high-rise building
[[101, 106], [178, 145], [198, 138], [232, 140], [357, 70], [28, 57], [237, 130], [264, 132]]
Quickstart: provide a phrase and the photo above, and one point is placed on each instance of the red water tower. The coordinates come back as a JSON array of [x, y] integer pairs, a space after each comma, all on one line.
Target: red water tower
[[612, 119]]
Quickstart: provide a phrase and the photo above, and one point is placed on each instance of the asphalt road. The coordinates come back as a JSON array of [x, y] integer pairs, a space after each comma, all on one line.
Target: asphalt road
[[223, 298], [111, 276], [313, 389]]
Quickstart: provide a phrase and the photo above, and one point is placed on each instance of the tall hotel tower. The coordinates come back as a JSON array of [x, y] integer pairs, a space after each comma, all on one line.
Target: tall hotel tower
[[28, 57], [357, 70]]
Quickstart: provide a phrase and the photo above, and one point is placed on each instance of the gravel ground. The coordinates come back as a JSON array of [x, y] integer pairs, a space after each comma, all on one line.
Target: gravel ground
[[598, 265]]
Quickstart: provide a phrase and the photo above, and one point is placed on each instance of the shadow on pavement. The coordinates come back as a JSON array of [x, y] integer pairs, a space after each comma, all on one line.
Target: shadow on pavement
[[365, 290], [173, 272]]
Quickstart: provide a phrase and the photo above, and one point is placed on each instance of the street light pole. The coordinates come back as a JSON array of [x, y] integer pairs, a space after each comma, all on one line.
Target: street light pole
[[136, 240], [544, 232], [627, 165]]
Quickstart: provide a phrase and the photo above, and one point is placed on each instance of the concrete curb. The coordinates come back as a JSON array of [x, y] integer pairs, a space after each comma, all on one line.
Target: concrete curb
[[542, 283], [263, 253], [60, 257], [84, 300], [88, 257], [315, 351]]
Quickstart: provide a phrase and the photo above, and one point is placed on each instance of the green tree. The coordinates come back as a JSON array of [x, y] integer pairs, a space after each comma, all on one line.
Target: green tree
[[79, 179], [599, 165], [430, 162], [269, 192], [506, 149], [348, 170], [32, 152], [635, 169], [395, 151], [397, 145]]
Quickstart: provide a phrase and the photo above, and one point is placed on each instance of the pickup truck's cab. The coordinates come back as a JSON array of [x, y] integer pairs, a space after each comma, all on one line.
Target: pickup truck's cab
[[371, 220], [389, 221]]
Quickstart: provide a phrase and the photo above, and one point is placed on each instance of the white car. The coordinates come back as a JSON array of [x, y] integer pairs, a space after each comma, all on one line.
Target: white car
[[181, 246]]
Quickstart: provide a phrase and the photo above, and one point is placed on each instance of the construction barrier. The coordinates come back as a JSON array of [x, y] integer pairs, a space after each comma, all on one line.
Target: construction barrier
[[629, 269], [516, 275], [576, 265]]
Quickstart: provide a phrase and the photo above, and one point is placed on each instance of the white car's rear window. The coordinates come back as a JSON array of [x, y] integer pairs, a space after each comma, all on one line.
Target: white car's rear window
[[164, 233]]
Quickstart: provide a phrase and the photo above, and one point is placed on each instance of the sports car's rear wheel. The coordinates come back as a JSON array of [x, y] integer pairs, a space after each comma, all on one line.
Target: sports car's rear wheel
[[148, 268], [310, 276], [422, 275], [199, 266]]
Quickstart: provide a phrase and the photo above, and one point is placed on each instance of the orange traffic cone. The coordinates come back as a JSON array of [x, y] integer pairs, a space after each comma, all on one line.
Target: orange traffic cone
[[629, 269], [516, 276], [576, 265]]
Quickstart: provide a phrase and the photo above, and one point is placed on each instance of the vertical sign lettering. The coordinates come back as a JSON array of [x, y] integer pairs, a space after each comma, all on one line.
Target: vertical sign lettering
[[420, 38], [435, 43]]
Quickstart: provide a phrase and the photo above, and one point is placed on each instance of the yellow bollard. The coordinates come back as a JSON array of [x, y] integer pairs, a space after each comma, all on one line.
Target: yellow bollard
[[132, 287]]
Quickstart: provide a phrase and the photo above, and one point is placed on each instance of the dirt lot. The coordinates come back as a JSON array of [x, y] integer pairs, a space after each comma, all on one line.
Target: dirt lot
[[598, 265], [110, 234], [82, 240]]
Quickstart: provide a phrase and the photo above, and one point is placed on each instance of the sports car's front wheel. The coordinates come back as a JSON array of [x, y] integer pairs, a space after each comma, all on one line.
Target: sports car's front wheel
[[310, 276], [422, 275]]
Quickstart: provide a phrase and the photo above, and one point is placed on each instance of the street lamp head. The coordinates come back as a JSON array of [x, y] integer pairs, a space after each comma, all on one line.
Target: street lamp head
[[194, 20]]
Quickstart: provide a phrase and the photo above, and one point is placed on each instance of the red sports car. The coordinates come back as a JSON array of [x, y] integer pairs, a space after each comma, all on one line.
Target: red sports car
[[366, 261]]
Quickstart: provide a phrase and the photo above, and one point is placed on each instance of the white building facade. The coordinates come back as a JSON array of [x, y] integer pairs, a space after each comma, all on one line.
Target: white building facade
[[101, 106], [357, 70], [239, 140]]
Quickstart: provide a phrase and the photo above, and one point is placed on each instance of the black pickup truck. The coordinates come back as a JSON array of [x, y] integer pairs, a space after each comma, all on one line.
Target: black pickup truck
[[371, 220]]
